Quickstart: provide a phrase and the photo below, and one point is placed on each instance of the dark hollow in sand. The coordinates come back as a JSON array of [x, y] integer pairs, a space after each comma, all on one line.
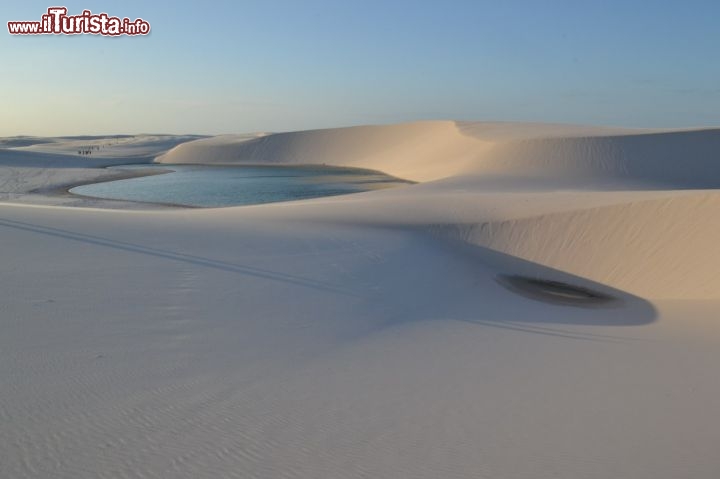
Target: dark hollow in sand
[[556, 292]]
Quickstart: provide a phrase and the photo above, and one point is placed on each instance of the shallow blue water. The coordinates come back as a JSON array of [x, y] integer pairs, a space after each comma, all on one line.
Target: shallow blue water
[[208, 186]]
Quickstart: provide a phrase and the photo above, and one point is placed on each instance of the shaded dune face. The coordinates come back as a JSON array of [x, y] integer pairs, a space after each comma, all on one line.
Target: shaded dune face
[[569, 299]]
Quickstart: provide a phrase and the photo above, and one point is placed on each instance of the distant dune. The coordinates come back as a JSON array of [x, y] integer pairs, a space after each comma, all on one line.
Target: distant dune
[[416, 151], [432, 150]]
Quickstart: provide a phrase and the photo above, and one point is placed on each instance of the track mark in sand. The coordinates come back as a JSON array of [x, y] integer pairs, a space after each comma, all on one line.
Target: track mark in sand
[[190, 259]]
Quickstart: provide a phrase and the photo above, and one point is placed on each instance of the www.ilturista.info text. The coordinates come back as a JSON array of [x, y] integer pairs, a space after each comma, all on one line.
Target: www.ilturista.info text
[[57, 22]]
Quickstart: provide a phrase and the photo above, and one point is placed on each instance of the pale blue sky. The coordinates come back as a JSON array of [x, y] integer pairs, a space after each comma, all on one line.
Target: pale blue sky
[[238, 66]]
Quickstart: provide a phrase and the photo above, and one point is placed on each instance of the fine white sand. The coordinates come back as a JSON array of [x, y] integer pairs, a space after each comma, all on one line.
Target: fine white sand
[[367, 335]]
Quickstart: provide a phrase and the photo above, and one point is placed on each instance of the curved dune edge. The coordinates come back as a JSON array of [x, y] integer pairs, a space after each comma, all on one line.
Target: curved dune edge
[[409, 151], [652, 239], [658, 249]]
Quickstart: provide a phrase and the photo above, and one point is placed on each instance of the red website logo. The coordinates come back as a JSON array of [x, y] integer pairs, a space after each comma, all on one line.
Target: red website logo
[[57, 22]]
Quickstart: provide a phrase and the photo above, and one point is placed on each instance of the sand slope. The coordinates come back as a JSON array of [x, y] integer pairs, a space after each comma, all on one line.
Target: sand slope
[[368, 335], [614, 239], [653, 248], [416, 151]]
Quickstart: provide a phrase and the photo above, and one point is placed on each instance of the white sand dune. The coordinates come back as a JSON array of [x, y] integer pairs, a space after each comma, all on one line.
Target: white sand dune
[[417, 151], [612, 238], [368, 335]]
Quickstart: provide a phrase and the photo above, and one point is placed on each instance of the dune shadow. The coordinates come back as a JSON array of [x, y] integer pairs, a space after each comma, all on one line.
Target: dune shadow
[[556, 292], [547, 296], [576, 299], [487, 302]]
